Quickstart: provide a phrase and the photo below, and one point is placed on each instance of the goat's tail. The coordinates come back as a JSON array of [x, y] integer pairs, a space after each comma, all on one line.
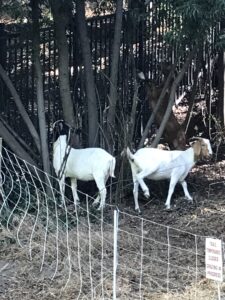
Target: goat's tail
[[141, 75], [130, 156], [112, 167]]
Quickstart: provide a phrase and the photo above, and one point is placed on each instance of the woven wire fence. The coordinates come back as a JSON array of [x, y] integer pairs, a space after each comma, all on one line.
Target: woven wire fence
[[77, 252]]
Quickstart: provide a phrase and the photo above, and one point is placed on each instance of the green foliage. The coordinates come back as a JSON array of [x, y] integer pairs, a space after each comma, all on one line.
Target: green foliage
[[195, 19], [19, 11], [14, 10]]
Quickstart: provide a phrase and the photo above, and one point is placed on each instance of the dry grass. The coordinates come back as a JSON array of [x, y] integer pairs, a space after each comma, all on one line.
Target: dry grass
[[26, 275]]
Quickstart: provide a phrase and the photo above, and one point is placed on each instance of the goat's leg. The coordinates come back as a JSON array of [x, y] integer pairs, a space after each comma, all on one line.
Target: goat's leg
[[135, 193], [100, 182], [96, 201], [186, 193], [74, 190], [140, 176], [62, 190], [173, 183]]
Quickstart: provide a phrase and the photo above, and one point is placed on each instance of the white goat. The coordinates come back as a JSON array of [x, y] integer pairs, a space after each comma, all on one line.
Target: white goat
[[159, 164], [80, 164]]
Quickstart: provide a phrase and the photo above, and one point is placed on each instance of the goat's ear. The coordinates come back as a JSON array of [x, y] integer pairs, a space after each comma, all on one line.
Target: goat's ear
[[61, 125], [141, 75], [197, 150], [58, 124]]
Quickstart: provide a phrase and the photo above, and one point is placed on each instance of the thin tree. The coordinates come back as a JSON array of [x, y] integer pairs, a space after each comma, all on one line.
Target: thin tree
[[62, 11], [39, 85], [93, 124], [113, 95]]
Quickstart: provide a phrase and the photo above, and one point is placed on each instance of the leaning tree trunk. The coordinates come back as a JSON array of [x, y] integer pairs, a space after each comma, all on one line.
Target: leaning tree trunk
[[171, 99], [14, 145], [155, 110], [93, 124], [39, 86], [61, 14], [114, 75], [21, 108]]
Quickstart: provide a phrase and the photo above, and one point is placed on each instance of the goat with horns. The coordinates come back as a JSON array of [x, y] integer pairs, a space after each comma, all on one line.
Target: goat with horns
[[80, 164]]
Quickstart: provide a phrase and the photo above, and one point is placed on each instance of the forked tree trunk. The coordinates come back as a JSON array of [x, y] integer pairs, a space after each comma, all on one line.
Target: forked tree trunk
[[171, 99], [93, 124], [155, 110], [39, 86]]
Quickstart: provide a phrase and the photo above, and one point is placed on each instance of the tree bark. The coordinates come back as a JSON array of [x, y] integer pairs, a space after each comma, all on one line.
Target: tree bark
[[21, 108], [191, 101], [61, 11], [171, 99], [93, 125], [159, 102], [14, 145], [39, 86], [23, 143], [114, 74]]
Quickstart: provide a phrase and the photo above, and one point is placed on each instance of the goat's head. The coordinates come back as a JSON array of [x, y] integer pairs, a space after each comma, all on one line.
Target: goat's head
[[202, 149], [60, 127]]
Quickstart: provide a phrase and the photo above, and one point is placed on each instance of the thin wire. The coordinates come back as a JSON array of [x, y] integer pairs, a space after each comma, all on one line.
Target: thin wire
[[142, 245], [168, 259], [89, 248]]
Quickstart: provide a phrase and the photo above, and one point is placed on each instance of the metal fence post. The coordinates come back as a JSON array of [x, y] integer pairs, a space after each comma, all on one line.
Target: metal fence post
[[115, 253]]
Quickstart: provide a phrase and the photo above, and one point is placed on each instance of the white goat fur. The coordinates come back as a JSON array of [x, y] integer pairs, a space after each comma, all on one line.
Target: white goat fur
[[83, 164], [157, 164]]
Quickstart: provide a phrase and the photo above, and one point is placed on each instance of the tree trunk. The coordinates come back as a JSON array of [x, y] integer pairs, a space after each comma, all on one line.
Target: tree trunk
[[221, 81], [159, 102], [114, 74], [93, 124], [61, 11], [14, 145], [23, 143], [191, 100], [21, 108], [171, 99], [39, 86]]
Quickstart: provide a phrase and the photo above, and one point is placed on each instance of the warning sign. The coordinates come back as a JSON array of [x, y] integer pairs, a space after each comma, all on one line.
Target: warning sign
[[213, 259]]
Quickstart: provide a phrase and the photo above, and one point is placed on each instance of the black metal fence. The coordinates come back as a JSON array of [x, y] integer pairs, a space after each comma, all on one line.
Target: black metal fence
[[148, 47]]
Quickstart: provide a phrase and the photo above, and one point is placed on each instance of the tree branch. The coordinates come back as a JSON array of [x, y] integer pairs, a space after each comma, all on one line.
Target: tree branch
[[171, 99], [153, 114]]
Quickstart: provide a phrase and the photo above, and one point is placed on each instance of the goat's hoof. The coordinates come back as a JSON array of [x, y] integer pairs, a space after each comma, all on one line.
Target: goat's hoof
[[167, 208], [146, 194], [190, 199], [76, 203], [137, 209], [100, 207]]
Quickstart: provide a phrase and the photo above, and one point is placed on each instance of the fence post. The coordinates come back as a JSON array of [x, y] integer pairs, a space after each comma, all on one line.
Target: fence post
[[115, 254]]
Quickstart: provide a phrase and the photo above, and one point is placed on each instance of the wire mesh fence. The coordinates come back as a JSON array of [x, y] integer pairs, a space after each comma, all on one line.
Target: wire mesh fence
[[62, 249]]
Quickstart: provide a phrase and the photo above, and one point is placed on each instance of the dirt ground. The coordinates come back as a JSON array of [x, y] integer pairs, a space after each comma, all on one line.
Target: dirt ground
[[25, 275], [21, 277]]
